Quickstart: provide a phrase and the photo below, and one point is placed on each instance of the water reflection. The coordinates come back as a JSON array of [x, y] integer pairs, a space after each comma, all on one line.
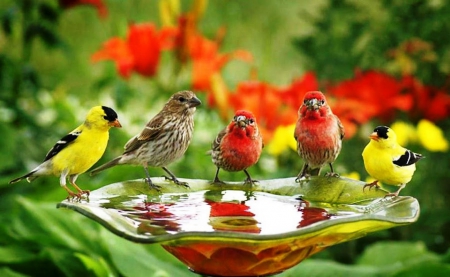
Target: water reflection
[[218, 210]]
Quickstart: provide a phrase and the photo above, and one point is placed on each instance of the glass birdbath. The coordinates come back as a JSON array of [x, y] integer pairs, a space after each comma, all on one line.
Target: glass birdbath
[[240, 230]]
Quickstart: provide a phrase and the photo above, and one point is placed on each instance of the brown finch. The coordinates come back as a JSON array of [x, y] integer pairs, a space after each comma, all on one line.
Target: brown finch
[[238, 146], [318, 134], [164, 139]]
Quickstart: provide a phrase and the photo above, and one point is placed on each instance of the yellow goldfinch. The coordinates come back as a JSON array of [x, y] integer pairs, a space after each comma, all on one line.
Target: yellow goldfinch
[[388, 162], [75, 153]]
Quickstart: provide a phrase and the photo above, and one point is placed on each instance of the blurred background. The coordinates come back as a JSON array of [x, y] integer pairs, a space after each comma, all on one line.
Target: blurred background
[[378, 62]]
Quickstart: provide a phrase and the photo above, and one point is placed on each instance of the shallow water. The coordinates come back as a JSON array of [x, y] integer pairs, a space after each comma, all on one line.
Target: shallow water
[[220, 210]]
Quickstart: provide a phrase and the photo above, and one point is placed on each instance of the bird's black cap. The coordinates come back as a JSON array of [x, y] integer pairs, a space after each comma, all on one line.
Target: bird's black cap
[[111, 115], [382, 131]]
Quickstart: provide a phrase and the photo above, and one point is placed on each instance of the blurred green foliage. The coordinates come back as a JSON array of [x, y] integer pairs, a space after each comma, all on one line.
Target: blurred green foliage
[[47, 84]]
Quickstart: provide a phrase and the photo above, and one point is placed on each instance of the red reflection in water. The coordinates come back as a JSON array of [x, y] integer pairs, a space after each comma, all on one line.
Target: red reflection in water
[[211, 210], [232, 216], [310, 215]]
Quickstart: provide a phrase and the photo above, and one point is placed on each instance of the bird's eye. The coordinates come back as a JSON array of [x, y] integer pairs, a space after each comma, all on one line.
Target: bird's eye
[[182, 99], [305, 101], [322, 102], [251, 121]]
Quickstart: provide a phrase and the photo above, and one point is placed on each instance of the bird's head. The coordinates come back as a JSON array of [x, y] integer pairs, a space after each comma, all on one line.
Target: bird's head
[[102, 117], [314, 103], [383, 135], [245, 122], [182, 101]]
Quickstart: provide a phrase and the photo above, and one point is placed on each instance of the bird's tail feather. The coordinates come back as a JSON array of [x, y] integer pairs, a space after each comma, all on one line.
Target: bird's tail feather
[[28, 176], [105, 166]]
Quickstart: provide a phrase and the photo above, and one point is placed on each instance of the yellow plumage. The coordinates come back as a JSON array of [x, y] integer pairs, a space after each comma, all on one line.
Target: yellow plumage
[[75, 153], [388, 162]]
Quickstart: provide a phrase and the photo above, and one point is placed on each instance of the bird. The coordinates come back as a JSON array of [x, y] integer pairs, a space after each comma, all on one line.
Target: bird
[[164, 139], [76, 152], [318, 133], [387, 161], [238, 146]]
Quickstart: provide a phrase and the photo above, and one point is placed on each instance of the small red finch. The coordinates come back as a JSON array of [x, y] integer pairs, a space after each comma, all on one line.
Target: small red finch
[[238, 146], [318, 134], [163, 140]]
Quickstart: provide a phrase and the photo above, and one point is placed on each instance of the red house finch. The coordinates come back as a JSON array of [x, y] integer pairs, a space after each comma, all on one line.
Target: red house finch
[[318, 134], [238, 146], [164, 139]]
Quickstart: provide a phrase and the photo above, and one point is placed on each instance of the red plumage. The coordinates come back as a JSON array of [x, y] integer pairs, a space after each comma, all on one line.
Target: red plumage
[[238, 146], [318, 134]]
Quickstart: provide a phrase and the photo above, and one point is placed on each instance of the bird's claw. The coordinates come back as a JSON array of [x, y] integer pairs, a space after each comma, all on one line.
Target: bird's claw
[[78, 196], [87, 192], [370, 185], [218, 182], [300, 176], [392, 194], [178, 182], [152, 186], [250, 182], [332, 174]]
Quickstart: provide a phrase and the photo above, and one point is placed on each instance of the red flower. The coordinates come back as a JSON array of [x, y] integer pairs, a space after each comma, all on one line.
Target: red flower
[[370, 94], [140, 52], [101, 8], [293, 95], [203, 52], [430, 102]]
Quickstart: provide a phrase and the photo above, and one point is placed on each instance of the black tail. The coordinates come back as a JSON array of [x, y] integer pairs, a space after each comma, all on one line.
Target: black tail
[[24, 177]]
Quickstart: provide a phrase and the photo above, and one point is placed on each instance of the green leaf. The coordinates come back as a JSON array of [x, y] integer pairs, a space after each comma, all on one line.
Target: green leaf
[[387, 253], [98, 266], [424, 269], [324, 268], [64, 260], [7, 272], [133, 259], [48, 12], [15, 254]]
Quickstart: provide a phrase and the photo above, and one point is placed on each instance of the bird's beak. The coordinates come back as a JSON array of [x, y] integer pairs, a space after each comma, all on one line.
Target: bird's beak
[[241, 121], [313, 104], [374, 136], [115, 123], [194, 102]]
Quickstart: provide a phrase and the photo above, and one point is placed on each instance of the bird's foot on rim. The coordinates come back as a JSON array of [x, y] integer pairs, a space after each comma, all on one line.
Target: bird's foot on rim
[[371, 185], [151, 185], [332, 174], [75, 197], [218, 182], [250, 182], [301, 176], [177, 182], [395, 194], [392, 194], [81, 192]]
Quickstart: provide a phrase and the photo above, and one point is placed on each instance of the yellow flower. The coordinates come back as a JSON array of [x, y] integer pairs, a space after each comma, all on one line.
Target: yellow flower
[[405, 132], [283, 139], [431, 136], [352, 175]]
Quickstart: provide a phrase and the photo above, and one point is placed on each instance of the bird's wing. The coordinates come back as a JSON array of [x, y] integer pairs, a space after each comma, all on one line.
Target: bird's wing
[[152, 131], [408, 158], [62, 143], [341, 127], [216, 142]]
